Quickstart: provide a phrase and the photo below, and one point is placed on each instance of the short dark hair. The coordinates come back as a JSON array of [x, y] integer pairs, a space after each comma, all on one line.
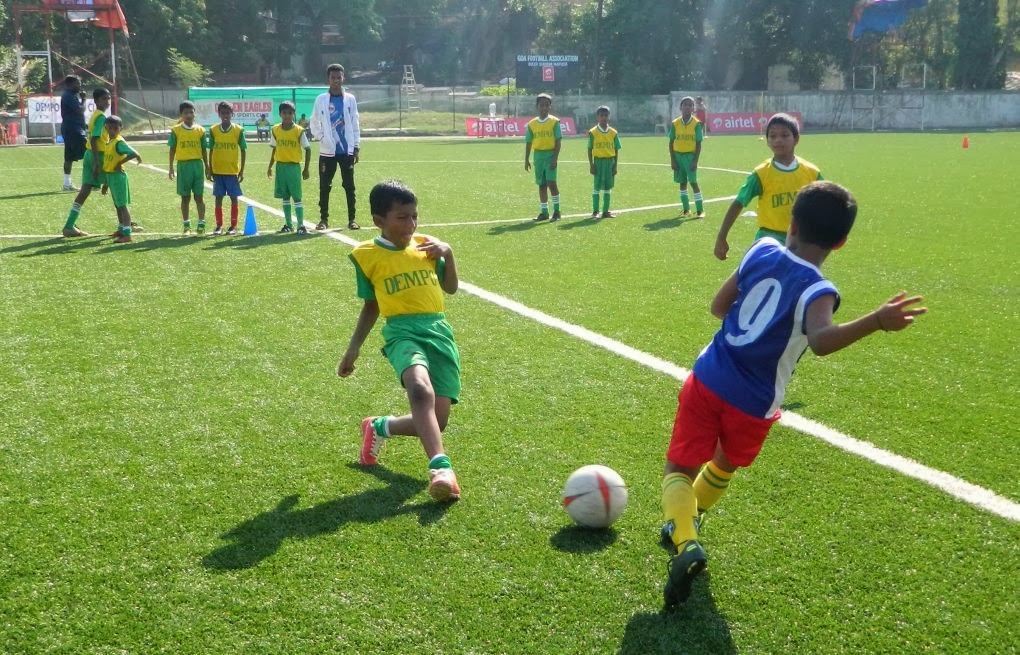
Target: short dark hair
[[785, 120], [333, 68], [388, 193], [101, 92], [543, 95], [71, 79], [286, 104], [187, 104], [224, 105], [824, 212], [601, 108], [114, 119]]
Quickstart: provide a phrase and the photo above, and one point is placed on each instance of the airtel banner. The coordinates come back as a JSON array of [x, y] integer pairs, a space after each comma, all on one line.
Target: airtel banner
[[509, 126], [743, 122]]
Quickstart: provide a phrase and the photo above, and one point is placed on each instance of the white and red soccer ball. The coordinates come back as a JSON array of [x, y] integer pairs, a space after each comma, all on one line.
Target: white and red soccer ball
[[594, 496]]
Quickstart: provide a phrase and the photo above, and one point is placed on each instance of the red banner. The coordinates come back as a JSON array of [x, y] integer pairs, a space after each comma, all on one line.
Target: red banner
[[743, 122], [482, 127]]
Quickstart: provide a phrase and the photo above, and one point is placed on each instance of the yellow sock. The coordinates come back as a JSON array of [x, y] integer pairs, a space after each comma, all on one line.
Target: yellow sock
[[710, 485], [680, 506]]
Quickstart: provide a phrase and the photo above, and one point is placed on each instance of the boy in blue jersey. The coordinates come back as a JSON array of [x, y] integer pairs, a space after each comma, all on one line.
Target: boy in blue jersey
[[402, 276], [773, 308]]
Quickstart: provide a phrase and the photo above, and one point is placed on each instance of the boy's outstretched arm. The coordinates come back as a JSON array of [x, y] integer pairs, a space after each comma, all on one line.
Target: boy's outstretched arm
[[366, 321], [825, 338], [722, 246]]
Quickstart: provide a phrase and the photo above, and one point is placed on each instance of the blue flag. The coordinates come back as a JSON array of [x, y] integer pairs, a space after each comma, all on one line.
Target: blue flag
[[880, 15]]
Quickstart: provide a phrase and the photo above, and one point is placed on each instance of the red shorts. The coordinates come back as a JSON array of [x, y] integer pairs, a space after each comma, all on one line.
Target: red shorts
[[703, 420]]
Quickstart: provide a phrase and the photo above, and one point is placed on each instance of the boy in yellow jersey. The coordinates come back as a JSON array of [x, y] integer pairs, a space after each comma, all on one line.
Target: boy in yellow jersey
[[776, 183], [227, 156], [603, 154], [116, 153], [543, 136], [685, 136], [288, 139], [92, 166], [187, 144], [775, 306], [402, 276]]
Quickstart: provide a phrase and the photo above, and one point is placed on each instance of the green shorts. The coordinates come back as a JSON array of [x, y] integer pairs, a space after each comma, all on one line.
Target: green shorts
[[426, 340], [542, 160], [683, 172], [288, 180], [766, 232], [120, 190], [191, 178], [604, 178], [86, 170]]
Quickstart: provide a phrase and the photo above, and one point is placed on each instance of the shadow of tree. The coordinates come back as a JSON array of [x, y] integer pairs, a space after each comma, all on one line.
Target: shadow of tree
[[260, 537], [693, 627]]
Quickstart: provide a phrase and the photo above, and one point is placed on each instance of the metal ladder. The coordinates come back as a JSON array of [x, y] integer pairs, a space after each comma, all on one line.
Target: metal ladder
[[410, 88]]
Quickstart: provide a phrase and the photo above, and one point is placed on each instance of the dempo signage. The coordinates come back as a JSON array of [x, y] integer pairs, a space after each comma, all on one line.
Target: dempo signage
[[46, 109]]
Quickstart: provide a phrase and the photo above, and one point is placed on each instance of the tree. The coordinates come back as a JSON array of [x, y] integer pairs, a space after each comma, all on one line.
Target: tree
[[978, 39], [185, 72]]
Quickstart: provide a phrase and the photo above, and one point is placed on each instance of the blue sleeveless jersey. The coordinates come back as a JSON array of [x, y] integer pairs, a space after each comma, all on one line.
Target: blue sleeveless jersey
[[751, 358]]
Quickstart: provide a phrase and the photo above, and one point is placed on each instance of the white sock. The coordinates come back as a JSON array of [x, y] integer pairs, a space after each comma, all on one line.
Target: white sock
[[67, 179]]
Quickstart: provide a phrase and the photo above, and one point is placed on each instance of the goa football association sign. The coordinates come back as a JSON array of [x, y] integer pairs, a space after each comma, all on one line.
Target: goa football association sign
[[546, 72]]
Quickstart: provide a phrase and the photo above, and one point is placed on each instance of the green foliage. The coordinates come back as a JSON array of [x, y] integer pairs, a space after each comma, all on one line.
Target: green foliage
[[503, 90], [978, 41], [186, 72], [34, 75]]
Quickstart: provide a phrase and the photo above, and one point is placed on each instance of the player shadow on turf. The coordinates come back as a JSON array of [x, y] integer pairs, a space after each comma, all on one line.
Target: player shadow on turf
[[261, 537], [522, 226], [247, 243], [696, 626], [144, 244], [575, 539], [21, 196], [670, 223], [53, 246], [584, 222]]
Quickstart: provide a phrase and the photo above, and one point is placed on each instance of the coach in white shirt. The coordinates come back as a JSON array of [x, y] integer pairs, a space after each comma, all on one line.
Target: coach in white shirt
[[336, 125]]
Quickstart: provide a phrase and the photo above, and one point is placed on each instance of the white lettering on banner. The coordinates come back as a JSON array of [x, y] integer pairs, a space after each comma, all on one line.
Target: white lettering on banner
[[509, 126], [46, 109], [743, 121], [246, 110]]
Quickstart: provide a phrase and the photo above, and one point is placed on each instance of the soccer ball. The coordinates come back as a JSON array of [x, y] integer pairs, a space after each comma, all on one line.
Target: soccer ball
[[595, 496]]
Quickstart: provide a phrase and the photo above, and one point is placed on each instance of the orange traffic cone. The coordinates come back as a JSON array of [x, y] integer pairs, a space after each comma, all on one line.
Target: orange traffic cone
[[966, 142]]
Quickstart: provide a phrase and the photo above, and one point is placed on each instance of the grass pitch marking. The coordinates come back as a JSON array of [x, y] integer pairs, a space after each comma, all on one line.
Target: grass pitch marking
[[960, 489]]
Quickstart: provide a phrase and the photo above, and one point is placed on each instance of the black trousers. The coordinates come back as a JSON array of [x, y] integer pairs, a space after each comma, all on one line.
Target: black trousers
[[327, 171]]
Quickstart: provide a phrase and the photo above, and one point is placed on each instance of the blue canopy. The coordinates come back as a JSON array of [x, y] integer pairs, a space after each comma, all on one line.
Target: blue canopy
[[880, 15]]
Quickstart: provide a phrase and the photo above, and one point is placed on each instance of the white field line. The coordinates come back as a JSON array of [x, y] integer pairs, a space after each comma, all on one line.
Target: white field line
[[961, 489]]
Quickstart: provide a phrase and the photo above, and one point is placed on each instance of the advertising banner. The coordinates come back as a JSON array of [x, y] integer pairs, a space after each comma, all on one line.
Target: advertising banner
[[544, 72], [481, 127], [246, 111], [743, 122], [46, 109]]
